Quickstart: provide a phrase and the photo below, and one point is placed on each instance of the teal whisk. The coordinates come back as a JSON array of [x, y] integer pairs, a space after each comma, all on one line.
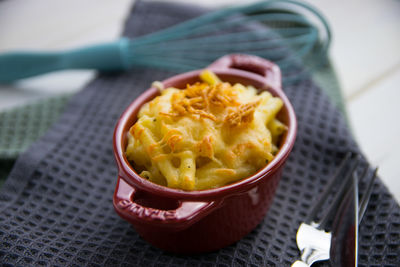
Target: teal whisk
[[267, 29]]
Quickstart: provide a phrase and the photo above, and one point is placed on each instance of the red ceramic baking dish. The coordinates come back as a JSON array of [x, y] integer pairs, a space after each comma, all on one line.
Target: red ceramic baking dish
[[197, 221]]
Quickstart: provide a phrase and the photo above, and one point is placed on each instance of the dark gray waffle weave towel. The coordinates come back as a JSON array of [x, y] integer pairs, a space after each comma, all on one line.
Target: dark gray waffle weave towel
[[56, 206]]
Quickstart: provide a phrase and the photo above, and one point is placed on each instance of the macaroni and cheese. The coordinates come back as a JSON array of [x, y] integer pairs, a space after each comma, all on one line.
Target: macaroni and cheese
[[208, 135]]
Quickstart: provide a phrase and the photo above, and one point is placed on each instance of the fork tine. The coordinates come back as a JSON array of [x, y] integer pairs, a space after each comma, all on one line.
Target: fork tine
[[365, 199], [328, 188], [344, 187]]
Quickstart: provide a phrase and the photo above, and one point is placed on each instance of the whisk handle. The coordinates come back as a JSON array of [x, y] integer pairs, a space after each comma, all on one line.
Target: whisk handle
[[268, 70], [104, 57]]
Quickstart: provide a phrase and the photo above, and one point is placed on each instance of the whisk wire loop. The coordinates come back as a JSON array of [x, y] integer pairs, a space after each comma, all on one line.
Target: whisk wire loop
[[278, 30]]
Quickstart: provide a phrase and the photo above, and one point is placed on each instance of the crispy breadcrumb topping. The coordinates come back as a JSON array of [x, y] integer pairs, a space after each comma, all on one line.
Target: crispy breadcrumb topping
[[241, 114], [201, 99]]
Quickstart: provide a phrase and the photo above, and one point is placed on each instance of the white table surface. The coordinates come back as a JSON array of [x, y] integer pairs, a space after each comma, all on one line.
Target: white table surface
[[365, 52]]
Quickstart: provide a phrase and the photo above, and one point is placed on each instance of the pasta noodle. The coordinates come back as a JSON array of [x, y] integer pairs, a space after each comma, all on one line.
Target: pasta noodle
[[208, 135]]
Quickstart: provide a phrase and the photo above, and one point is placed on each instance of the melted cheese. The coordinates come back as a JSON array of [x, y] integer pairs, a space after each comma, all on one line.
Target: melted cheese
[[207, 135]]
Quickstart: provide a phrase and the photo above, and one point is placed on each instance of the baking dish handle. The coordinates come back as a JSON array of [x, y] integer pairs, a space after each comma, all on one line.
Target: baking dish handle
[[185, 214], [268, 70]]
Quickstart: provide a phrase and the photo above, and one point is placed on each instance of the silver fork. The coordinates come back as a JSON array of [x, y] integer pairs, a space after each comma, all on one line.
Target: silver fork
[[312, 240]]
